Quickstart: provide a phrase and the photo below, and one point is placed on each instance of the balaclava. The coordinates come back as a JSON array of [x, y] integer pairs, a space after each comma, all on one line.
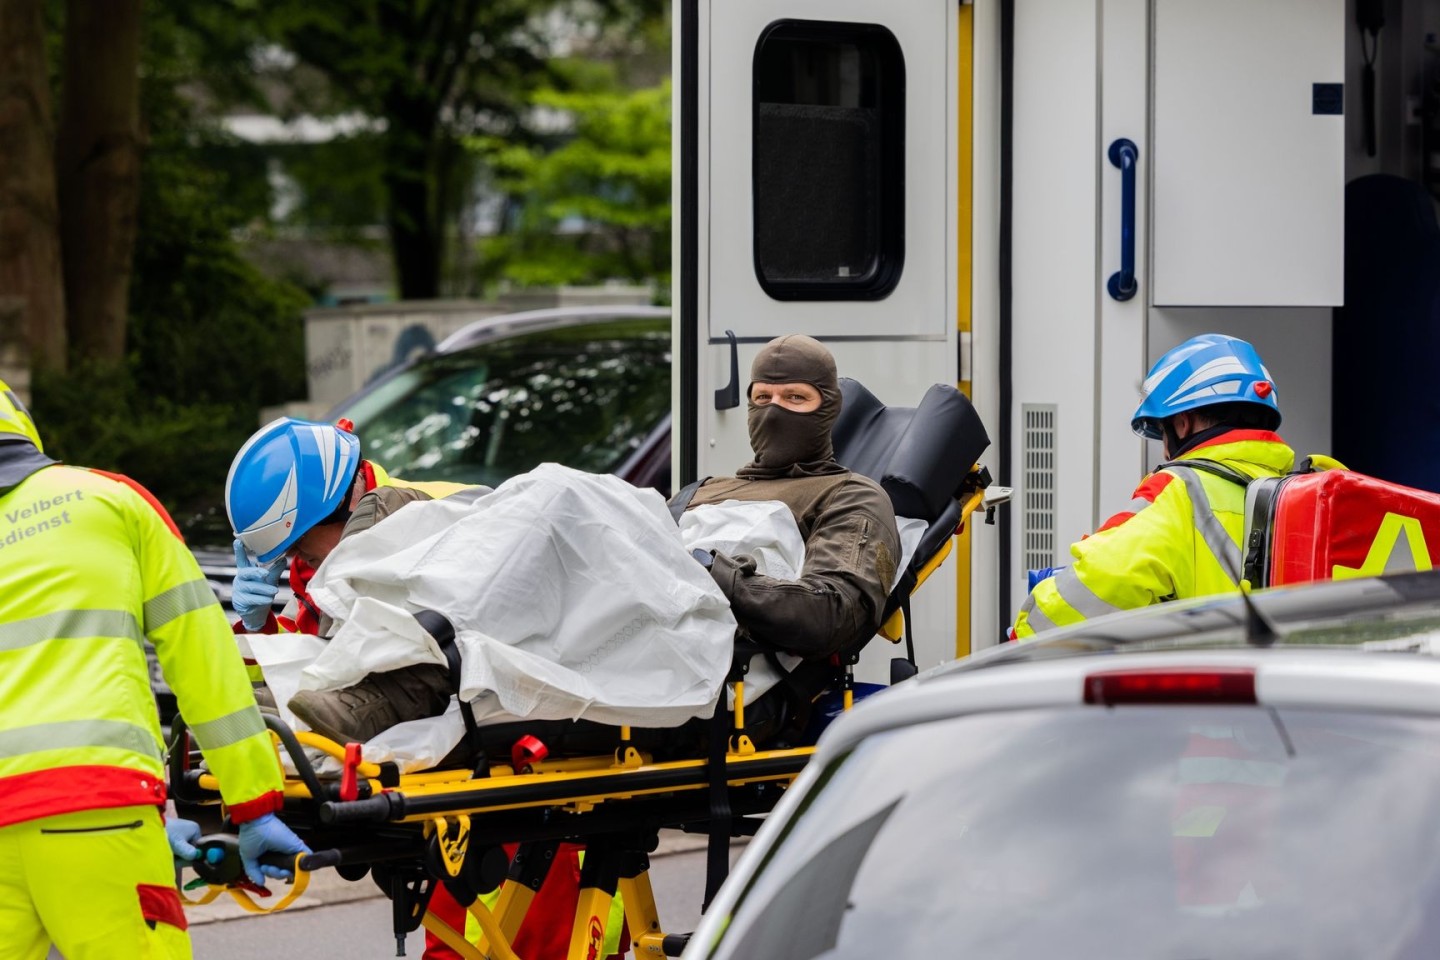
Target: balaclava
[[786, 443]]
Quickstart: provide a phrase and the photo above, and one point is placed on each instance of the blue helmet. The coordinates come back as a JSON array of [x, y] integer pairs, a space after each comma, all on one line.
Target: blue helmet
[[1205, 370], [289, 476]]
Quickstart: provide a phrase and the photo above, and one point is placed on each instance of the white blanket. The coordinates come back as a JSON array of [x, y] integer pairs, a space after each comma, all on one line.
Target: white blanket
[[573, 596]]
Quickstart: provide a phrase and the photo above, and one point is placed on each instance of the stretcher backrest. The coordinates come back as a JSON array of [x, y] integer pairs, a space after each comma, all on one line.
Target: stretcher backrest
[[1336, 524], [921, 456]]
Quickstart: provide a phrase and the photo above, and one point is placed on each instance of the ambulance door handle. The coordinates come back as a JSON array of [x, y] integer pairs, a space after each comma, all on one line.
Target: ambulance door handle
[[728, 396], [1125, 155]]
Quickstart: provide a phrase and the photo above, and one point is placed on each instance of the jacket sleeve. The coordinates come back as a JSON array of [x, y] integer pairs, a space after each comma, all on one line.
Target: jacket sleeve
[[379, 504], [198, 655], [838, 601], [1140, 556]]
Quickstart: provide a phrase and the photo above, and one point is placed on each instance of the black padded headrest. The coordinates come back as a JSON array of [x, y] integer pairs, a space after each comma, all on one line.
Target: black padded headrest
[[920, 455]]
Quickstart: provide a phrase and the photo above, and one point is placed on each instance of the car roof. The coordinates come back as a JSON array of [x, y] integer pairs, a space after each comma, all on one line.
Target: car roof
[[503, 326], [487, 329], [1357, 644]]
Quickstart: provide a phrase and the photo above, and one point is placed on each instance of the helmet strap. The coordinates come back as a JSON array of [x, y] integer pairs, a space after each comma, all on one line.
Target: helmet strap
[[1176, 446], [1172, 439]]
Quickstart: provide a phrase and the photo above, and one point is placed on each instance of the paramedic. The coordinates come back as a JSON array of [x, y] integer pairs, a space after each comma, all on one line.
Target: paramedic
[[92, 567], [1214, 406], [846, 520], [292, 489], [295, 489]]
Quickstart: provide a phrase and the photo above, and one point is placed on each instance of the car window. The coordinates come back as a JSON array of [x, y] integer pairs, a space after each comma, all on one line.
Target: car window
[[585, 397], [1173, 833]]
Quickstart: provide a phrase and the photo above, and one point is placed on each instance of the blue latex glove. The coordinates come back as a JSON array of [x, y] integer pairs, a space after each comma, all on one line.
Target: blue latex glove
[[264, 835], [182, 835], [1036, 576], [255, 588]]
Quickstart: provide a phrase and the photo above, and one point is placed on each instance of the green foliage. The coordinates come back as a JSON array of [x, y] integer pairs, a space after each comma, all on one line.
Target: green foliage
[[595, 208], [211, 339], [340, 191]]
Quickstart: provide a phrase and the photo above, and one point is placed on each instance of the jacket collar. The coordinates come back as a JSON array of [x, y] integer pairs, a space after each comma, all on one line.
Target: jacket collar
[[17, 461], [1262, 448]]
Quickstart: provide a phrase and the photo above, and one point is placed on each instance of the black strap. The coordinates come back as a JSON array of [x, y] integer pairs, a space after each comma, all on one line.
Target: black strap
[[909, 631], [717, 859], [307, 604], [443, 631], [681, 500], [1210, 467]]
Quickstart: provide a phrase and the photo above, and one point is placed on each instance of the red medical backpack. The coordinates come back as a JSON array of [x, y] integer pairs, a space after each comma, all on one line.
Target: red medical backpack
[[1335, 524]]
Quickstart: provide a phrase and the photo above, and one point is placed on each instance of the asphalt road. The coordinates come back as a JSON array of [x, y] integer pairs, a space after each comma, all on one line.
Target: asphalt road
[[361, 928]]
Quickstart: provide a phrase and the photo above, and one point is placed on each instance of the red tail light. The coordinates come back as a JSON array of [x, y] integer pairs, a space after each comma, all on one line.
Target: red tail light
[[1216, 685]]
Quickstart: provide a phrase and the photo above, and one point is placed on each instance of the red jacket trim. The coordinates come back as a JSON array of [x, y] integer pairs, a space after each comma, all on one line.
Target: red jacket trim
[[1238, 436], [48, 793], [1115, 521], [1152, 485], [161, 905], [1148, 490], [271, 626], [147, 496], [271, 802]]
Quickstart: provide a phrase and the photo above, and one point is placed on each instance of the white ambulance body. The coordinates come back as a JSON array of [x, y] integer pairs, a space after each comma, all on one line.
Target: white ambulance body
[[928, 187]]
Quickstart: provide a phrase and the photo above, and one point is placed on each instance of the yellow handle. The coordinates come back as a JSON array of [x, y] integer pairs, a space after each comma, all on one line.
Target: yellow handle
[[242, 897]]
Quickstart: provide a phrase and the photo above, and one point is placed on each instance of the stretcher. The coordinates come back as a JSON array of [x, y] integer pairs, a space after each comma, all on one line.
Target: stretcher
[[413, 831]]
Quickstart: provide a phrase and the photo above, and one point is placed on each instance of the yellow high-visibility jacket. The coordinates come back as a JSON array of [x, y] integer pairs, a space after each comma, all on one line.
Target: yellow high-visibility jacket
[[90, 567], [1168, 545]]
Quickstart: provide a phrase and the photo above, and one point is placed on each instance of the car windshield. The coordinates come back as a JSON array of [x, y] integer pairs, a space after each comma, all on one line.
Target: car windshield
[[585, 396], [1165, 832]]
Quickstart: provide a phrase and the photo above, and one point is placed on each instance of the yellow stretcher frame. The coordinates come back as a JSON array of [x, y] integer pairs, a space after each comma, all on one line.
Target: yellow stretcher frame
[[429, 820], [454, 802]]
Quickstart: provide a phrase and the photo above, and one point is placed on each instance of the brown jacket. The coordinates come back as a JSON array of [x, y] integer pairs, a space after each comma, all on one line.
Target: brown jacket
[[851, 548]]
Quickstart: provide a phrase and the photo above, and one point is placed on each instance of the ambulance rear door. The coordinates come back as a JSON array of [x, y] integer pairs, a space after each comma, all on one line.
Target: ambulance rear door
[[816, 192]]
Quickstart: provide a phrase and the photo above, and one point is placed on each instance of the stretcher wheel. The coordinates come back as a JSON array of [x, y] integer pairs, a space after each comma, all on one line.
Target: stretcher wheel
[[485, 868], [353, 871]]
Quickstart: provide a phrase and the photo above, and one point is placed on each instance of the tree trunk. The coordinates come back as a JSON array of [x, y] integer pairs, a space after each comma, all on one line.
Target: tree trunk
[[416, 229], [29, 215], [98, 166]]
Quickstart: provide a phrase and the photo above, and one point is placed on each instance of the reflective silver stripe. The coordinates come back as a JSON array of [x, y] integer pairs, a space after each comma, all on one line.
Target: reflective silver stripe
[[1226, 550], [1255, 773], [1138, 504], [68, 625], [1035, 617], [231, 728], [76, 734], [1074, 592], [176, 602]]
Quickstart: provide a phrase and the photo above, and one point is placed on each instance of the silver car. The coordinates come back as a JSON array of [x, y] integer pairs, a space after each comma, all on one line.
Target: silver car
[[1195, 780]]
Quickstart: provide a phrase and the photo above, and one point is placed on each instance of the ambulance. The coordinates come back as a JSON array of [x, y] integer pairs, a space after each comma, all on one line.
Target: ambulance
[[1034, 199]]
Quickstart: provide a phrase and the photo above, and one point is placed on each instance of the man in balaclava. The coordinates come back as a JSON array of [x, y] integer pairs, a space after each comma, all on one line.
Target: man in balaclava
[[846, 520]]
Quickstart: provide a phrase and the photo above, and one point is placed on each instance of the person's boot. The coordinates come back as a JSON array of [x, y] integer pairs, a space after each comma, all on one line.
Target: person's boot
[[380, 701], [265, 699]]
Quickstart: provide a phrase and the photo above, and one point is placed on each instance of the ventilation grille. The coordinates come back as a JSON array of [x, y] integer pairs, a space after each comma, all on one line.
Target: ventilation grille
[[1038, 526]]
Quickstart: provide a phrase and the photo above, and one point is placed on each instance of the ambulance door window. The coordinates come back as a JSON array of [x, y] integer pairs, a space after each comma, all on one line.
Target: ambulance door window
[[828, 161]]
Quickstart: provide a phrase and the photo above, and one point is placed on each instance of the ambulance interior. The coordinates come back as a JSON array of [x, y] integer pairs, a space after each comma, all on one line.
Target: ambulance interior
[[1386, 336]]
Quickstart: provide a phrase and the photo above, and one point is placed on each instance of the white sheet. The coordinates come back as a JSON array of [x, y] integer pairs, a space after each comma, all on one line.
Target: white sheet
[[573, 595]]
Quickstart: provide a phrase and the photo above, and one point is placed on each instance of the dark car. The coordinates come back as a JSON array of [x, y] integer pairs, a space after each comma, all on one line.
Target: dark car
[[588, 388], [585, 387]]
